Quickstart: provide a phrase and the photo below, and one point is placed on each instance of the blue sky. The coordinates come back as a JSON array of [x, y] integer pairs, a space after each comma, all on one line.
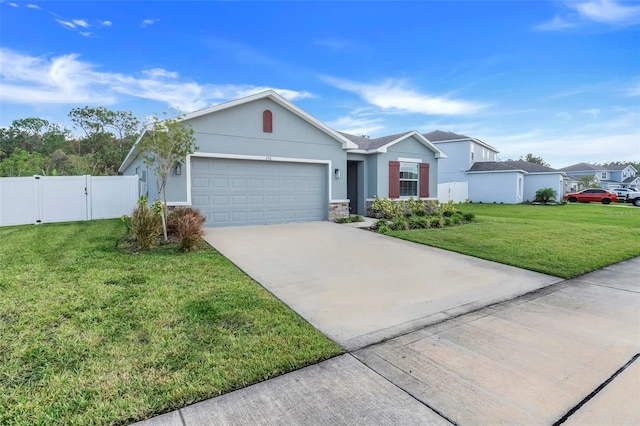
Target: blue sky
[[559, 79]]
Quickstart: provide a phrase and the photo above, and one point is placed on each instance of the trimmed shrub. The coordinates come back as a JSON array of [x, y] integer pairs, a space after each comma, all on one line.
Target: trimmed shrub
[[456, 218], [419, 222], [187, 225], [437, 222], [399, 223], [468, 217], [415, 207], [448, 208], [146, 225], [350, 219], [387, 208]]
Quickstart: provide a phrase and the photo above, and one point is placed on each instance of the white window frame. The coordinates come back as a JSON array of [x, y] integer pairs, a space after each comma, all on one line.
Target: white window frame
[[416, 180]]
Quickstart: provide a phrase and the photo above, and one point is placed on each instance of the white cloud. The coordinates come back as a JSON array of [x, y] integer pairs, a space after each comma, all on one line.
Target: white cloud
[[393, 95], [86, 34], [557, 23], [67, 24], [68, 80], [159, 72], [34, 6], [608, 12], [13, 4], [149, 22], [106, 23], [81, 23], [356, 126]]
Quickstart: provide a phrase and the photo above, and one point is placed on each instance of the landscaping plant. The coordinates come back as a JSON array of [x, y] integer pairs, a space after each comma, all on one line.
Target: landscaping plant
[[545, 195], [413, 213], [166, 144], [187, 224], [146, 224]]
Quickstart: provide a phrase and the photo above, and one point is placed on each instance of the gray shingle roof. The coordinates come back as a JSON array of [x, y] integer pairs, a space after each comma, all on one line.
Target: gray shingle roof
[[616, 167], [492, 166], [439, 136], [581, 167], [529, 167], [375, 143]]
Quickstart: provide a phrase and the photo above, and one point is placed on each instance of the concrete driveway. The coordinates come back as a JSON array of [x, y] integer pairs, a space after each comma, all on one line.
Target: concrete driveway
[[359, 287], [566, 354]]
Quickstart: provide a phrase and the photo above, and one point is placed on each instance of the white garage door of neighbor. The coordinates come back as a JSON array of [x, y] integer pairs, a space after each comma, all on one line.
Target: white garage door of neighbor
[[245, 192]]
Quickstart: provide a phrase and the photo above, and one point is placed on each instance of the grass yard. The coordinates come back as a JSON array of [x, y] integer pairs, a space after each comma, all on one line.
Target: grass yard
[[565, 241], [91, 335]]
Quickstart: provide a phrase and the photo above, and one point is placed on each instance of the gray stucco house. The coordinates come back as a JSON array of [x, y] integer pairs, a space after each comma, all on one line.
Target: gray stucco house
[[472, 172], [263, 160], [512, 182]]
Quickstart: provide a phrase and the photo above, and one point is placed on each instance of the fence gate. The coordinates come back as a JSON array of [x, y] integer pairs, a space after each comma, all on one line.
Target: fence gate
[[46, 199]]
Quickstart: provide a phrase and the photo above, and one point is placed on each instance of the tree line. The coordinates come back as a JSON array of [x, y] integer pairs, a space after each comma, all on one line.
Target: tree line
[[35, 146]]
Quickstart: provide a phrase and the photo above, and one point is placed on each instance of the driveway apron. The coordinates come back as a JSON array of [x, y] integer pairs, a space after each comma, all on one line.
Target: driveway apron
[[359, 287]]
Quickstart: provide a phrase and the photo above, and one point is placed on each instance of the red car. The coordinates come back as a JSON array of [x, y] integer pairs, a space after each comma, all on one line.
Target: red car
[[587, 195]]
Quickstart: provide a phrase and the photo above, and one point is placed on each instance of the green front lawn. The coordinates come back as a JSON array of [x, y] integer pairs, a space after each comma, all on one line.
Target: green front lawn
[[91, 335], [564, 241]]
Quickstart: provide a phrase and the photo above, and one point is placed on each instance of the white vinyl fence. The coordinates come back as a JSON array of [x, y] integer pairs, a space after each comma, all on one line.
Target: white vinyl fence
[[458, 192], [46, 199]]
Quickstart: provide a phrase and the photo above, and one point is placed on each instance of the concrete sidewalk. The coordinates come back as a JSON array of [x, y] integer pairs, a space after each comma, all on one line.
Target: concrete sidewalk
[[360, 287], [536, 359]]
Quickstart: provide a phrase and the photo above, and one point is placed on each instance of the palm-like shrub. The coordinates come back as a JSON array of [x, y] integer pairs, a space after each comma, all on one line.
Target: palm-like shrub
[[545, 195]]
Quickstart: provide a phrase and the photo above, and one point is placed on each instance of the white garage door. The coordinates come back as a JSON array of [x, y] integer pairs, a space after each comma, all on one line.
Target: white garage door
[[244, 192]]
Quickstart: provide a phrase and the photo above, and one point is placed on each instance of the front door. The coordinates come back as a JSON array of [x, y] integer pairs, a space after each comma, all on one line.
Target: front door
[[352, 188]]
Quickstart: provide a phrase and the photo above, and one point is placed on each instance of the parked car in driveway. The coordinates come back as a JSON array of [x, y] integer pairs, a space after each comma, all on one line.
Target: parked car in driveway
[[592, 195]]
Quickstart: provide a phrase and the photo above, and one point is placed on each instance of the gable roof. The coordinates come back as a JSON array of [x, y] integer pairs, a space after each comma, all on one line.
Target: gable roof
[[492, 166], [530, 167], [619, 167], [584, 167], [581, 167], [510, 165], [267, 94], [381, 144], [439, 136]]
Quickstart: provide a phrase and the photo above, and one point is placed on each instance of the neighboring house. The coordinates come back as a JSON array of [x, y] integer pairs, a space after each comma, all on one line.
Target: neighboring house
[[462, 153], [471, 172], [512, 181], [610, 177], [263, 160]]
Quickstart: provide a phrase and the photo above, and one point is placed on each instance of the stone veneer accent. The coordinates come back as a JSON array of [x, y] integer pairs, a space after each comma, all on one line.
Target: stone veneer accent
[[338, 210]]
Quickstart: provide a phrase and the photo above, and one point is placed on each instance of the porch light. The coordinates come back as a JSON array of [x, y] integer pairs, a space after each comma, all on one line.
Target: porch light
[[178, 169], [336, 173]]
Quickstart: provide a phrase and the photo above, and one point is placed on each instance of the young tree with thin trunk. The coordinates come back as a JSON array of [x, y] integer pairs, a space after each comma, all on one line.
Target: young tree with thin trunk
[[166, 144]]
